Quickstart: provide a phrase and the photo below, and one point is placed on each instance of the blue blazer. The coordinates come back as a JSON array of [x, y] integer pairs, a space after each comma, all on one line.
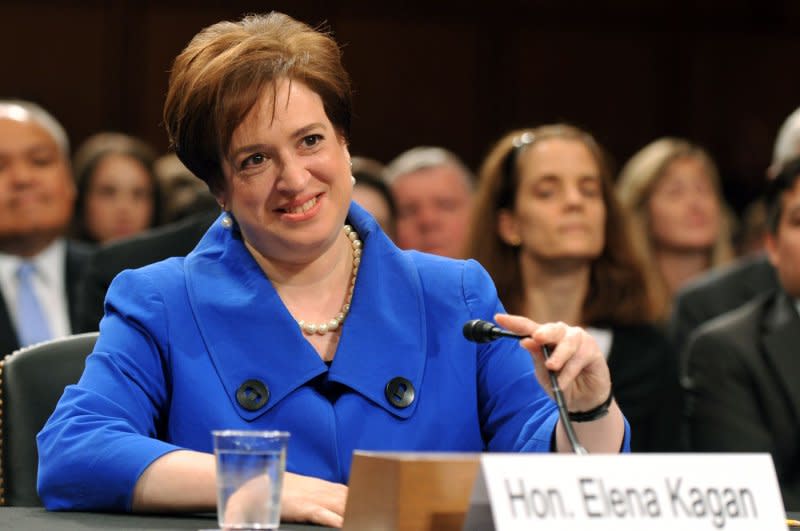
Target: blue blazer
[[182, 338]]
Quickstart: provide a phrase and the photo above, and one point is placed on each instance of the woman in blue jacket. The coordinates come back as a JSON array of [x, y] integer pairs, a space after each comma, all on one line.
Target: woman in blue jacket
[[295, 312]]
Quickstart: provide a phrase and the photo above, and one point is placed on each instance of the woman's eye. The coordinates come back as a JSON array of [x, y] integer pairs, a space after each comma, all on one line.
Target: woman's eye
[[105, 191], [311, 140], [591, 189], [254, 160], [544, 191], [142, 194], [42, 161]]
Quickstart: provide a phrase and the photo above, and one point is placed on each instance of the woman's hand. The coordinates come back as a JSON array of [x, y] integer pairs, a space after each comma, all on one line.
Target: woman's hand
[[308, 499], [582, 375], [249, 503], [582, 370]]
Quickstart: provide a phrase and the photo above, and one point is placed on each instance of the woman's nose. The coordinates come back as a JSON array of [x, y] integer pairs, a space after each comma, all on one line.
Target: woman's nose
[[573, 195], [293, 177]]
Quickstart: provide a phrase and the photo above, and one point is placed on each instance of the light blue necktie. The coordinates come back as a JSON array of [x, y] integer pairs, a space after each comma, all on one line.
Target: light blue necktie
[[32, 325]]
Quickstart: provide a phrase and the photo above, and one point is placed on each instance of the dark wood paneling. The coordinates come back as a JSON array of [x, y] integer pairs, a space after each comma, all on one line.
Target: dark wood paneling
[[398, 103], [49, 56]]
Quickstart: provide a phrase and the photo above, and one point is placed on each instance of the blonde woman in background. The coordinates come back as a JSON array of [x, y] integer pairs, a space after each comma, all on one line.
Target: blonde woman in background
[[551, 233], [679, 222]]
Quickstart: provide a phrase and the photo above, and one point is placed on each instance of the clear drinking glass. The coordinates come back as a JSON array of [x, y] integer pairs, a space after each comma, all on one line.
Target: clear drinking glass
[[250, 466]]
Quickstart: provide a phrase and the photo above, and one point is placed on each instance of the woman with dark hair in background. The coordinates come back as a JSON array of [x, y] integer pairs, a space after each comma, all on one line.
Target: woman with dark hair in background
[[182, 194], [372, 193], [552, 235], [118, 191]]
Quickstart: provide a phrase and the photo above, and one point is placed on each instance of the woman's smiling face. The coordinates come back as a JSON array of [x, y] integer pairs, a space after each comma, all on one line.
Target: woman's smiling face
[[287, 175]]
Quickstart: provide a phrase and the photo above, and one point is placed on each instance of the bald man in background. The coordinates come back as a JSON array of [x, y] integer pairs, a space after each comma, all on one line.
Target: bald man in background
[[39, 268]]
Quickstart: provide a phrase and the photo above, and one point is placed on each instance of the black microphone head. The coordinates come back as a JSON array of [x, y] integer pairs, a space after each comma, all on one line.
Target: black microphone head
[[480, 331]]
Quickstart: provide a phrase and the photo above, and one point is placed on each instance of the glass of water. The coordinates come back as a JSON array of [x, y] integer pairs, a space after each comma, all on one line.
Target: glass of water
[[250, 466]]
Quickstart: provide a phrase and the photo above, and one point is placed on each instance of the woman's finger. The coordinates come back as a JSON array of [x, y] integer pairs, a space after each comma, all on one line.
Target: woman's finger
[[308, 499], [575, 363], [326, 517], [516, 323], [562, 341]]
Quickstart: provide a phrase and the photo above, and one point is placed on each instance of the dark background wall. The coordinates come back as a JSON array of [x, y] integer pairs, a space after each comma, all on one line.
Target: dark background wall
[[723, 73]]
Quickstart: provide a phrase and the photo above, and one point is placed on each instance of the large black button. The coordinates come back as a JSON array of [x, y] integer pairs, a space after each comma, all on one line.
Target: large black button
[[399, 392], [252, 395]]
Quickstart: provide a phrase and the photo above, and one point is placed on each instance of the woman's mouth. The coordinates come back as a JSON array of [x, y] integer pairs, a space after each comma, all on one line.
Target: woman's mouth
[[302, 208]]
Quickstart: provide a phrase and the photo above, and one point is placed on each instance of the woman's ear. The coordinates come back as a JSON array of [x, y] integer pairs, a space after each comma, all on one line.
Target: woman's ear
[[508, 228], [222, 199], [346, 148]]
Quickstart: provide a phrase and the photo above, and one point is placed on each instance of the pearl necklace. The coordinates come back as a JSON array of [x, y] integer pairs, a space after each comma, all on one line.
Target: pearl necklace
[[332, 325]]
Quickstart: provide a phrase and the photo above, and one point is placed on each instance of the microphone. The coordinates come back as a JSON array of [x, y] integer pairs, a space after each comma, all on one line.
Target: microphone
[[480, 331]]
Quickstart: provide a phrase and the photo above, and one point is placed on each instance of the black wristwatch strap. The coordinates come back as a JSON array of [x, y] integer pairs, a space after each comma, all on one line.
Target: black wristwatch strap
[[594, 413]]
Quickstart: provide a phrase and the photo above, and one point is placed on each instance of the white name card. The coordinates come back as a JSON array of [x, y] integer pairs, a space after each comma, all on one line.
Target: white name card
[[629, 492]]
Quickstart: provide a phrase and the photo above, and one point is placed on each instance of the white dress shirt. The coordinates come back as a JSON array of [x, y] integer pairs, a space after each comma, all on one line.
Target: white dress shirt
[[603, 337], [48, 283]]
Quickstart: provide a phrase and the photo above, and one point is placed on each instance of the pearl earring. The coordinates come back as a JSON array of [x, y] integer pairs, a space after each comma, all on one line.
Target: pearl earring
[[227, 220], [353, 180]]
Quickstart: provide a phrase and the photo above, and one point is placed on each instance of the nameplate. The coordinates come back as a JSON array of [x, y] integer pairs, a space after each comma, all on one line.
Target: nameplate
[[629, 492]]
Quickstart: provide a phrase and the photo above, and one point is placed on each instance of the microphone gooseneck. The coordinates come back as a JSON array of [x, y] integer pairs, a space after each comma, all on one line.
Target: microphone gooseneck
[[480, 331]]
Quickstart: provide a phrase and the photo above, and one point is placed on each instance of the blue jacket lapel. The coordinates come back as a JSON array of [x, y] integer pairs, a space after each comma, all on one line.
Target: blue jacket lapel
[[249, 334]]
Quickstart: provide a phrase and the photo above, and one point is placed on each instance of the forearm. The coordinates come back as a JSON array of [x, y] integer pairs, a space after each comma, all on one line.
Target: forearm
[[604, 435], [178, 481], [185, 481]]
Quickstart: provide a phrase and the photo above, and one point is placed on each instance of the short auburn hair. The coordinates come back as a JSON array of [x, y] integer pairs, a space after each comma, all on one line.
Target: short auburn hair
[[222, 72]]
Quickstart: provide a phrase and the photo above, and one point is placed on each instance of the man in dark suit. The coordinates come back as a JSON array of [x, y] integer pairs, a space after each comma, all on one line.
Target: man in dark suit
[[717, 292], [723, 290], [39, 269], [175, 239], [741, 369]]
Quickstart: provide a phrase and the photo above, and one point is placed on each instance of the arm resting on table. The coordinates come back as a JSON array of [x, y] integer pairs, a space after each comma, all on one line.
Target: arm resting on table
[[186, 481]]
